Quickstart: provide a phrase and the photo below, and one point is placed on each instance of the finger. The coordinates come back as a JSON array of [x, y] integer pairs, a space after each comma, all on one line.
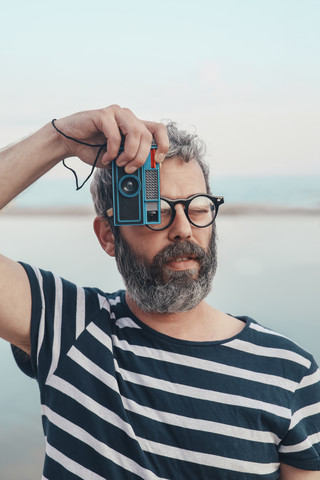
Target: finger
[[131, 147], [137, 143], [141, 154], [132, 128], [160, 134], [107, 124]]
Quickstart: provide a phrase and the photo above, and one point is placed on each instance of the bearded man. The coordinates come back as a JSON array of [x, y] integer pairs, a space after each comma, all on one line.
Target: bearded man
[[152, 382]]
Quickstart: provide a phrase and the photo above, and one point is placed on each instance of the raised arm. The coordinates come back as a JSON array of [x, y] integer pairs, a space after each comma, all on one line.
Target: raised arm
[[23, 163], [291, 473]]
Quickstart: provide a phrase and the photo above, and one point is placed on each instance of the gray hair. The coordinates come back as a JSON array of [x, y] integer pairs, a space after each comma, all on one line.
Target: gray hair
[[184, 145]]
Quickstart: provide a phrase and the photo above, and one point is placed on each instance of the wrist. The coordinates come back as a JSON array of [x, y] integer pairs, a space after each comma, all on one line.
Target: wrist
[[54, 144]]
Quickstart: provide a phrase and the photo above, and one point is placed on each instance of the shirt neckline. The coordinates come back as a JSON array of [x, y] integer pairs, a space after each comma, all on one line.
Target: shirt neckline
[[151, 331]]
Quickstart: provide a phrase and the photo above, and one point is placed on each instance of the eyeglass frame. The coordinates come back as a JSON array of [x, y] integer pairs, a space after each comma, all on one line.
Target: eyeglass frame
[[217, 201]]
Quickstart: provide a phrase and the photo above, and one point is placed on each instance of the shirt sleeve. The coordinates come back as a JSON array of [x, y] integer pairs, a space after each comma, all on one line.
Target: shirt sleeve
[[60, 313], [300, 447]]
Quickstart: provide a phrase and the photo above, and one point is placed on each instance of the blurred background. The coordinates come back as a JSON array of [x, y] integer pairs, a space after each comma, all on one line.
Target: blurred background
[[243, 74]]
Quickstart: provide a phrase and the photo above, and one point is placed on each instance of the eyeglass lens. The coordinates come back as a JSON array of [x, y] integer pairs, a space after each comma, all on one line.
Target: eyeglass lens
[[201, 212]]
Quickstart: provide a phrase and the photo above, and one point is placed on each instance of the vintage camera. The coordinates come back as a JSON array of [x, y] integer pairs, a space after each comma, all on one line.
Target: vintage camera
[[136, 196]]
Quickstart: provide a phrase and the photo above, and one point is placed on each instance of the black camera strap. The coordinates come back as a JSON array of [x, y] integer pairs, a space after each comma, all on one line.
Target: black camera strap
[[100, 146]]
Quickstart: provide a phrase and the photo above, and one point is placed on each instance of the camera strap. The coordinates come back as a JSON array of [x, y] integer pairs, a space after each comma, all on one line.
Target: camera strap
[[101, 147]]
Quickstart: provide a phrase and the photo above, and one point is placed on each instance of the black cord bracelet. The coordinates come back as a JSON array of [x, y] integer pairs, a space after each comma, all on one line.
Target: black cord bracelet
[[101, 146]]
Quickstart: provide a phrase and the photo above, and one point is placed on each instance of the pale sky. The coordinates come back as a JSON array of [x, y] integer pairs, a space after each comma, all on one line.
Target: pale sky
[[244, 73]]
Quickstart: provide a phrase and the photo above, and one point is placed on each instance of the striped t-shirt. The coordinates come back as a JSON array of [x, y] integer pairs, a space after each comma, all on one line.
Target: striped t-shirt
[[122, 401]]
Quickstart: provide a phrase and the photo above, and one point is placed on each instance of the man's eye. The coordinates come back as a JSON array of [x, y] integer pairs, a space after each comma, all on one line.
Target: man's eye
[[199, 211], [165, 212]]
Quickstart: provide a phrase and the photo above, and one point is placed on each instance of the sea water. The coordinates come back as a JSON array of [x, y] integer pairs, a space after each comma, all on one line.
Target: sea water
[[287, 191]]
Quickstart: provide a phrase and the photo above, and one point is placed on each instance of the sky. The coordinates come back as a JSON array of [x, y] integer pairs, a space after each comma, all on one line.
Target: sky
[[243, 74]]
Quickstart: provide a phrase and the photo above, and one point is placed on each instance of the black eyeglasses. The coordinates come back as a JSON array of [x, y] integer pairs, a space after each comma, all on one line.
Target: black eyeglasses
[[200, 209]]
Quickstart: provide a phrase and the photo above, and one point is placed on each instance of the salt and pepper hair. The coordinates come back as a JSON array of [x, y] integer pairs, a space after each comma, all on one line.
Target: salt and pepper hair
[[184, 145]]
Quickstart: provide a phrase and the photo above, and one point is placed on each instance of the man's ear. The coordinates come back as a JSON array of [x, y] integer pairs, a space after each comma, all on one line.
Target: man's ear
[[104, 234]]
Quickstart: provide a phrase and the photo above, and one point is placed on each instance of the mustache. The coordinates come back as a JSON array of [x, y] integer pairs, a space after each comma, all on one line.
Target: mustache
[[185, 248]]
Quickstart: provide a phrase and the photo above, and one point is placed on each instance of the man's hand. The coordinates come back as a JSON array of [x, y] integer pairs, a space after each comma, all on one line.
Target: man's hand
[[106, 126], [23, 163]]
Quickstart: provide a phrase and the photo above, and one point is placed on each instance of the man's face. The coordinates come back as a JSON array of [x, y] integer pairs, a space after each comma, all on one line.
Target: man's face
[[170, 270]]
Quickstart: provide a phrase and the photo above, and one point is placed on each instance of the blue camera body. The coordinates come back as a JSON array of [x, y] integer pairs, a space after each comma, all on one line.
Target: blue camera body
[[136, 196]]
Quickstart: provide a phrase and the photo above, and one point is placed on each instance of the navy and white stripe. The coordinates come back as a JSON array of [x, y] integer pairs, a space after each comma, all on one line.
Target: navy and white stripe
[[120, 400]]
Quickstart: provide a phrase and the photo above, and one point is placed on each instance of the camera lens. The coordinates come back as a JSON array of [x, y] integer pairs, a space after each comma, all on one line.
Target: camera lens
[[130, 186]]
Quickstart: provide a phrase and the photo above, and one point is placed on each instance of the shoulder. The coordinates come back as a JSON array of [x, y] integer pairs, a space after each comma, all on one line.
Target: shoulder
[[51, 288], [274, 350], [273, 339]]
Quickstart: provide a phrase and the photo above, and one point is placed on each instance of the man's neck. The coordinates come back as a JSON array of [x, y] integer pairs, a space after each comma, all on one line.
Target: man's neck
[[201, 324]]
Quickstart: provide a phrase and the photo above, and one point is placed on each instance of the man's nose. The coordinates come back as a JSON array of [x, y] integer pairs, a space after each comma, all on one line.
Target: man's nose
[[180, 229]]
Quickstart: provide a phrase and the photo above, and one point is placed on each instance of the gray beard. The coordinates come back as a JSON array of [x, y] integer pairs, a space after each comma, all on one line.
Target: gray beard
[[157, 289]]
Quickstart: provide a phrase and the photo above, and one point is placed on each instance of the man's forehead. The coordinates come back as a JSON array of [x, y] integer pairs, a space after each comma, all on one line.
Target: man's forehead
[[180, 179]]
